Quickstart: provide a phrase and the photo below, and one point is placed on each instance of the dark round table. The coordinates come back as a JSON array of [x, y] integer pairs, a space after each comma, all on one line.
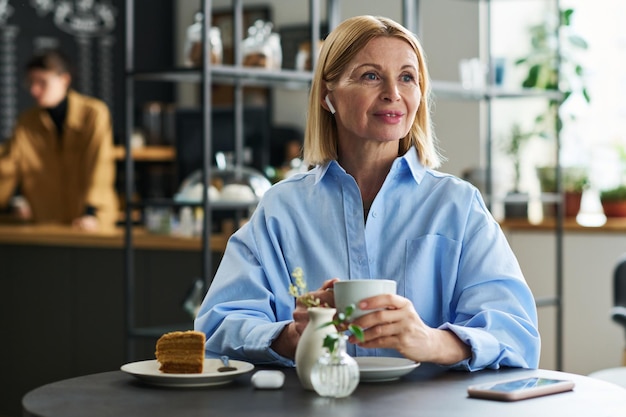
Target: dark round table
[[427, 391]]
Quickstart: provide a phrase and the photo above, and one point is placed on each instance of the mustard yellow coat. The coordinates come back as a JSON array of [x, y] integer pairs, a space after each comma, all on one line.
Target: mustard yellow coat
[[60, 177]]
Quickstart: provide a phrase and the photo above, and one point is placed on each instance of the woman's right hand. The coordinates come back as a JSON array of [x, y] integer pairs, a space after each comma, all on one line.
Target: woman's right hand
[[326, 298], [286, 342]]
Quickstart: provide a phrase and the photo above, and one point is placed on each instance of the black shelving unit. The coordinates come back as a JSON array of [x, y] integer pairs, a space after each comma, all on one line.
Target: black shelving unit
[[204, 78], [235, 75]]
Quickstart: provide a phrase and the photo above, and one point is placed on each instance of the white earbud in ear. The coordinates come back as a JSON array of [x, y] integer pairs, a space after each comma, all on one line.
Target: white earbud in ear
[[330, 105]]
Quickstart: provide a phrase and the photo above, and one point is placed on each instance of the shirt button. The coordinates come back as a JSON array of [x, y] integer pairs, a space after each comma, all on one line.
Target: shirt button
[[374, 214]]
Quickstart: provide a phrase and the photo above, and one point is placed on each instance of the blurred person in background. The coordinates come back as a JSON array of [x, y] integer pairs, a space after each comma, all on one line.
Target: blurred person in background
[[58, 166]]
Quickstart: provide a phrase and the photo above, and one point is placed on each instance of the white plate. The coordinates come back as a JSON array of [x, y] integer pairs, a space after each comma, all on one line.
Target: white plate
[[380, 369], [148, 371]]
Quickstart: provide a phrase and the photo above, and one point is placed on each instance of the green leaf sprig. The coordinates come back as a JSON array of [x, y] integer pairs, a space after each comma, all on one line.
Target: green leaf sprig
[[342, 321]]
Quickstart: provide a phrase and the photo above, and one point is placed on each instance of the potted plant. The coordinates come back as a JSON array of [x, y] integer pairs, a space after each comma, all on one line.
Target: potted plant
[[574, 180], [516, 203], [552, 65], [614, 201], [321, 351]]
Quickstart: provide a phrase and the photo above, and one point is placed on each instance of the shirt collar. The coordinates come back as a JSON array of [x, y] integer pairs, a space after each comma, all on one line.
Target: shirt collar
[[411, 160], [321, 170], [407, 161]]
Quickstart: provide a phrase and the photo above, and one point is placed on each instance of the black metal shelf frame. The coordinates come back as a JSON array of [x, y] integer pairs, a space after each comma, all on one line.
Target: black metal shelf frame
[[298, 80], [236, 75], [215, 205]]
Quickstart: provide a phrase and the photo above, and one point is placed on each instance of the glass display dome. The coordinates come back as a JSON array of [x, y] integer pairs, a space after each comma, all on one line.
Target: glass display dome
[[229, 184]]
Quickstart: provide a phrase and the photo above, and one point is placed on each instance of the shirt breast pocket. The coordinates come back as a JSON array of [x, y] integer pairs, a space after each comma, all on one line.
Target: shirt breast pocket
[[430, 277]]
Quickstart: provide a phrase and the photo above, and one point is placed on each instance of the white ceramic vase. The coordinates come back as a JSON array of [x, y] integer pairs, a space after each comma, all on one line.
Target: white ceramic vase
[[310, 347]]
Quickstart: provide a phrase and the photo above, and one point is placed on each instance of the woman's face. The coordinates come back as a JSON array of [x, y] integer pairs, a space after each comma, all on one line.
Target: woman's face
[[48, 88], [378, 94]]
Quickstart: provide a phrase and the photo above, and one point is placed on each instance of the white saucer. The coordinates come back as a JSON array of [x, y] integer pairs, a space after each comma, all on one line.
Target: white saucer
[[379, 369], [148, 372]]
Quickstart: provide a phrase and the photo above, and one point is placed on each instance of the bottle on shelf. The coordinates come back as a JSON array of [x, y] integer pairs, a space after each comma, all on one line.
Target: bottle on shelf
[[193, 43]]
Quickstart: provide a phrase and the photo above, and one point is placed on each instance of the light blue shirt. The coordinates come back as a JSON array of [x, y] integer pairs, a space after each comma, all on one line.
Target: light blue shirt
[[428, 231]]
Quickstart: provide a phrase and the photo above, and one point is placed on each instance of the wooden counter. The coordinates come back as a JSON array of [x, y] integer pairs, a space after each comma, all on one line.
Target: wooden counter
[[57, 235], [147, 153], [612, 225]]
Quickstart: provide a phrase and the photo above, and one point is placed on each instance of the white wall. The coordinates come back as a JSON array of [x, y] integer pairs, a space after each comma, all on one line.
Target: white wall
[[450, 33], [592, 341]]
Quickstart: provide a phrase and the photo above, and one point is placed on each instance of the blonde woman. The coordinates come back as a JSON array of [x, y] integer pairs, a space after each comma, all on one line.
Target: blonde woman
[[374, 207]]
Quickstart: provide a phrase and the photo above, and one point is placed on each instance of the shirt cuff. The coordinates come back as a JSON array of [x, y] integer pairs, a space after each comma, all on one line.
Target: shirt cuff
[[485, 348], [261, 339]]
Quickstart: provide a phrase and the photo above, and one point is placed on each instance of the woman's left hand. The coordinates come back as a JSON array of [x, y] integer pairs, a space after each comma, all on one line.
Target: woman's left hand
[[398, 326]]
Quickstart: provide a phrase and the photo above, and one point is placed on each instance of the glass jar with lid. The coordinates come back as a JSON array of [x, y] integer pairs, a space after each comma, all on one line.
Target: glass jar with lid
[[193, 43], [261, 48]]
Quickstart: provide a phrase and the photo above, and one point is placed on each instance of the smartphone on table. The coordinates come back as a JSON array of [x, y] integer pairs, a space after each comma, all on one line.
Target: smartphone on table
[[519, 389]]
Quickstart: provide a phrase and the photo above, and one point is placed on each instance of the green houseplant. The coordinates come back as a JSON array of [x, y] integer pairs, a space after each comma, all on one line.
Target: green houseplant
[[516, 204], [574, 180], [552, 65], [513, 148], [614, 201]]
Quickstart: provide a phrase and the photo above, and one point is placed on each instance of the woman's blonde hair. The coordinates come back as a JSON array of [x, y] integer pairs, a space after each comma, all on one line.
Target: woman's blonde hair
[[340, 47]]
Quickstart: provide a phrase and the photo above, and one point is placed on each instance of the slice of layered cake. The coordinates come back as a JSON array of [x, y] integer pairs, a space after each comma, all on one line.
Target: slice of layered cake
[[181, 352]]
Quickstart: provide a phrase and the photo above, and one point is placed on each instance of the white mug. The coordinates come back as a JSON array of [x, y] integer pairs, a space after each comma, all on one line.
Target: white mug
[[353, 291]]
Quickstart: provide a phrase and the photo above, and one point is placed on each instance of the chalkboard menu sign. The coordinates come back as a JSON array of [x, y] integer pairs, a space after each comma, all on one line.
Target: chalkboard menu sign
[[91, 33]]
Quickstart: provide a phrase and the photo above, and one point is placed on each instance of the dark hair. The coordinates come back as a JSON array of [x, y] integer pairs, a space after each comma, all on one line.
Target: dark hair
[[50, 60]]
